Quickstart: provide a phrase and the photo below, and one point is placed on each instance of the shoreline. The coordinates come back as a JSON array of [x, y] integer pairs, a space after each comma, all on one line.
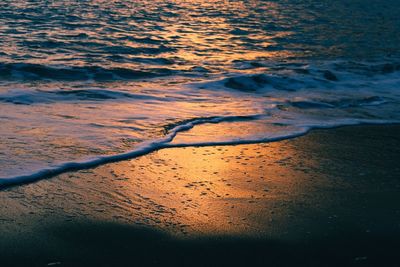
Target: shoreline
[[163, 143], [327, 198]]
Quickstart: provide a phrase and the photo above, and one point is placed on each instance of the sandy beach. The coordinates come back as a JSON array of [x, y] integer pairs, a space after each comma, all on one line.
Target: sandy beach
[[330, 198], [199, 133]]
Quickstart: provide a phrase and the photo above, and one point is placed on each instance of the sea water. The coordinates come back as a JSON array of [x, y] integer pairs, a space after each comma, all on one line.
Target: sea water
[[83, 83]]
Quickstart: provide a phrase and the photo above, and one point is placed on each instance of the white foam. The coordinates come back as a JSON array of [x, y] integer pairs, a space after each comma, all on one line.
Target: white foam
[[102, 119], [165, 142]]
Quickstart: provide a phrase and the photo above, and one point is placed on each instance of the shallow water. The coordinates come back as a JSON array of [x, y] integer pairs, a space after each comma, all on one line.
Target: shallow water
[[84, 79]]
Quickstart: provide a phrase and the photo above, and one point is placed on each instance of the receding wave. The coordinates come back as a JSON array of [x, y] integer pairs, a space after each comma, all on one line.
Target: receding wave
[[298, 96], [34, 72], [165, 142]]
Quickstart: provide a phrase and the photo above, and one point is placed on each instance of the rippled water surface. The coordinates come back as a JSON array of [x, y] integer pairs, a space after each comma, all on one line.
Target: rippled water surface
[[83, 79]]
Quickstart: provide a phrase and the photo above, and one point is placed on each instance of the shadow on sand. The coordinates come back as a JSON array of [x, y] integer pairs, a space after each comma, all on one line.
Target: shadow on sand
[[109, 244]]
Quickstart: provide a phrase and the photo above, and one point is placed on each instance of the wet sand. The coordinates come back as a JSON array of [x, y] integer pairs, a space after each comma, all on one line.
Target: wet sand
[[330, 198]]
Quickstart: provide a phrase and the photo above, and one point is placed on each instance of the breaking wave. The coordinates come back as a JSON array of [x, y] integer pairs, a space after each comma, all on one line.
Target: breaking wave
[[35, 72]]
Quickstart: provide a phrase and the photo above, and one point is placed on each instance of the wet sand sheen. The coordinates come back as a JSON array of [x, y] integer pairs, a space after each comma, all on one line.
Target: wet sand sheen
[[294, 201]]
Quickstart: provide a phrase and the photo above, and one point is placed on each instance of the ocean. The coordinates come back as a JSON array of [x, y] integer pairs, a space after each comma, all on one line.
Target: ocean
[[86, 82]]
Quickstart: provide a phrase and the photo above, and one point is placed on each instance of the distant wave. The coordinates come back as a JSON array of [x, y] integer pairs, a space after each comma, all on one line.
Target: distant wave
[[24, 97], [34, 72], [342, 103], [294, 76]]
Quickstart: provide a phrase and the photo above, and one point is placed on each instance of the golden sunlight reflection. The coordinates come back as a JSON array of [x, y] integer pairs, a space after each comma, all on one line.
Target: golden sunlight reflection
[[179, 35], [211, 190], [231, 131]]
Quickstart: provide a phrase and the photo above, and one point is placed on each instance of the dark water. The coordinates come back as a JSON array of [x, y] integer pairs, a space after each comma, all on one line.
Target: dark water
[[79, 79], [143, 39]]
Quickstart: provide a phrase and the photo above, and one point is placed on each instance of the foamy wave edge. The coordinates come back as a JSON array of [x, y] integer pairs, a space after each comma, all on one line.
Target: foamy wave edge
[[165, 142]]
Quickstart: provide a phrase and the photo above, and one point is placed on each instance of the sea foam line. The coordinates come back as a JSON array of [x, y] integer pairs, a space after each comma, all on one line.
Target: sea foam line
[[142, 149], [165, 142]]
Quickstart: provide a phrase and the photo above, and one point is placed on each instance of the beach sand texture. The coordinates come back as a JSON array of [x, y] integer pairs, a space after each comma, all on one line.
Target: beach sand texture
[[329, 198]]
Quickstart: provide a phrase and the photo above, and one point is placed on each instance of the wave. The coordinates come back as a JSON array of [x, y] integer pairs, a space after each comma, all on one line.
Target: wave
[[35, 72], [297, 95], [165, 142], [24, 97], [341, 103], [291, 77]]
